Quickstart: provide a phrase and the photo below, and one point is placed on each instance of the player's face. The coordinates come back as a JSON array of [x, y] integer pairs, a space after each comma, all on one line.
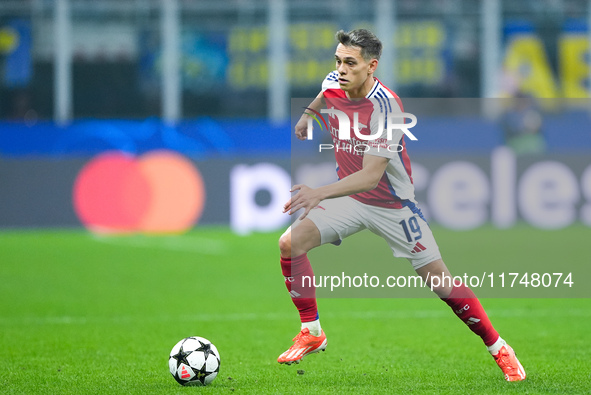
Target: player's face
[[353, 69]]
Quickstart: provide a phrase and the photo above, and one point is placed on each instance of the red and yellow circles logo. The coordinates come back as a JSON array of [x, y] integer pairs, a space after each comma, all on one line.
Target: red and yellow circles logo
[[159, 192]]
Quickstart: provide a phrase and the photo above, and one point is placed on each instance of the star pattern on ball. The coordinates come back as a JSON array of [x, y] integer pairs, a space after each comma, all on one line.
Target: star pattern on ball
[[205, 348], [181, 356], [187, 355]]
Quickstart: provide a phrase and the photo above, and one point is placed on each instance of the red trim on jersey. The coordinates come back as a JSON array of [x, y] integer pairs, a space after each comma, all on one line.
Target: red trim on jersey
[[335, 93], [375, 197]]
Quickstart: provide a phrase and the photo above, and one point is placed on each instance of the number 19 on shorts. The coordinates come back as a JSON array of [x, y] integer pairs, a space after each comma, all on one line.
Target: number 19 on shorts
[[411, 228]]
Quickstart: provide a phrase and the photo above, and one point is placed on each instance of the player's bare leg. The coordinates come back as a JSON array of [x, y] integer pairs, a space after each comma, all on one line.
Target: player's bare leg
[[294, 245], [468, 308], [437, 269], [299, 239]]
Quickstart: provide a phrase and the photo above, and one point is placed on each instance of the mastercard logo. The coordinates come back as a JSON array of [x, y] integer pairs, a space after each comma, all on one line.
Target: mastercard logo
[[159, 192]]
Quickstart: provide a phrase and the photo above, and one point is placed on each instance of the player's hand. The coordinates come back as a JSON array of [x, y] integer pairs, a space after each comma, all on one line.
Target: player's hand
[[301, 128], [306, 198]]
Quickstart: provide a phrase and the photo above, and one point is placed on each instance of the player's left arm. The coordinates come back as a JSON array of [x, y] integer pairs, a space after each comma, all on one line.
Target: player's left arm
[[363, 180]]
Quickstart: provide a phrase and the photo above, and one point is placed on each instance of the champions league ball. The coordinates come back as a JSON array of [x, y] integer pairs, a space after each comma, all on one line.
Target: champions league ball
[[194, 361]]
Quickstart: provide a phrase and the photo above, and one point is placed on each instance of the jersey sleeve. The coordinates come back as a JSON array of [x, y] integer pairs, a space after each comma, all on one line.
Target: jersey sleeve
[[385, 110], [331, 81]]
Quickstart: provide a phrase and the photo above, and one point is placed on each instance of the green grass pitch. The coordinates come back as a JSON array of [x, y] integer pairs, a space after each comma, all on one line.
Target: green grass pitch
[[88, 314]]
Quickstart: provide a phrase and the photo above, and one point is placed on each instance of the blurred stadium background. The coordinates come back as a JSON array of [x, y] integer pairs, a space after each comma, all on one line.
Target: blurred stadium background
[[150, 118], [210, 82]]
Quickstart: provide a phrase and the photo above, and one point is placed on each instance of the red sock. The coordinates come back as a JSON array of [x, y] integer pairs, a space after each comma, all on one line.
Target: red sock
[[468, 308], [302, 290]]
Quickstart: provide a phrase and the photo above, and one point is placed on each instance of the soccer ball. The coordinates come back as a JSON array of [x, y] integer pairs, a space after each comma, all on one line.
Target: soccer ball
[[194, 361]]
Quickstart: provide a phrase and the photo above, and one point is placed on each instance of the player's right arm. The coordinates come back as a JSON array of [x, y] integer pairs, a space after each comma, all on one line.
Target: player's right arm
[[301, 128], [362, 180]]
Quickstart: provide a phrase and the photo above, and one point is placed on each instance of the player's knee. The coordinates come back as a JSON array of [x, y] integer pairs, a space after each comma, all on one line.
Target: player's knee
[[285, 245]]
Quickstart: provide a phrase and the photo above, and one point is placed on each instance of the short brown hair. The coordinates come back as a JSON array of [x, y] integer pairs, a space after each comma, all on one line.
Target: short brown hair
[[371, 46]]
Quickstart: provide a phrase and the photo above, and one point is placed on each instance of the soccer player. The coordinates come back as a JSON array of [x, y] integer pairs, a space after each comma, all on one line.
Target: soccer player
[[374, 191]]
